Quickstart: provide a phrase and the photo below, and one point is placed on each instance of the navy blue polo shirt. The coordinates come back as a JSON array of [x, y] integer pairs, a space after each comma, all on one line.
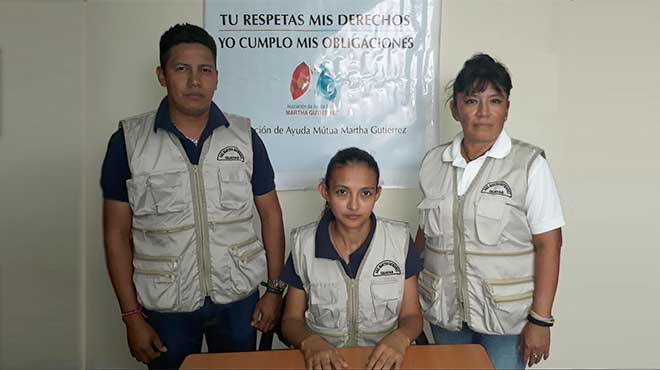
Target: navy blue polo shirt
[[325, 249], [115, 170]]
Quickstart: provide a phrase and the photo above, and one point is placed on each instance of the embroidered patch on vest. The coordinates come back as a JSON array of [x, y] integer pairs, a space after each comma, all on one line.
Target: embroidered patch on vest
[[497, 188], [231, 153], [387, 268]]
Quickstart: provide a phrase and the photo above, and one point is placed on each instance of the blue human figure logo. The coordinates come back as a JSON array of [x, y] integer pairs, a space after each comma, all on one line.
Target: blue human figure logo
[[325, 85]]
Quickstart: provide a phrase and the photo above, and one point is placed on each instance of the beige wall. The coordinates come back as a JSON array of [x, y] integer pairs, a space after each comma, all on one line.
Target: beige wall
[[41, 126], [585, 77]]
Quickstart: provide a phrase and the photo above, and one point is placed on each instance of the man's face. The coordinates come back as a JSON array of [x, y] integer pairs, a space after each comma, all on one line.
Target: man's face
[[190, 78]]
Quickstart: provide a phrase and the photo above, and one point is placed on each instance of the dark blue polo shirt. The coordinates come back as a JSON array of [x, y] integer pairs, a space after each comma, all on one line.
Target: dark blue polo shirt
[[325, 249], [115, 170]]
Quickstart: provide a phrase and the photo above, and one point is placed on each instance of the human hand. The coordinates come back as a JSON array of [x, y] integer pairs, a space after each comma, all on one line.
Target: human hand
[[143, 341], [389, 352], [534, 344], [267, 312], [320, 354]]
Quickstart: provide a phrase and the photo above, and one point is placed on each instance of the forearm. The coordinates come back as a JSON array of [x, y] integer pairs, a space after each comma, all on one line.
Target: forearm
[[546, 276], [295, 331], [272, 232], [420, 241], [411, 326], [117, 218], [119, 261]]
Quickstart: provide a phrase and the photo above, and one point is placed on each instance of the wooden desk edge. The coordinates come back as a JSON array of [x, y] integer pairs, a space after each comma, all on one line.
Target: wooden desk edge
[[466, 356]]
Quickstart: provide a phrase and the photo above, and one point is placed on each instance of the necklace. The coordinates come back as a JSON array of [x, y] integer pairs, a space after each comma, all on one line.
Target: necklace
[[465, 152], [194, 141]]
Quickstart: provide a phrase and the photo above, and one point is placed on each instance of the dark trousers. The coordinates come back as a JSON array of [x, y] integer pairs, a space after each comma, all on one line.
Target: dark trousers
[[226, 328]]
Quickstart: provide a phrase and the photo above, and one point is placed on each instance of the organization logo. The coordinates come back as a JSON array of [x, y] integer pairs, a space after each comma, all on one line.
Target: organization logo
[[497, 188], [326, 85], [231, 153], [386, 268]]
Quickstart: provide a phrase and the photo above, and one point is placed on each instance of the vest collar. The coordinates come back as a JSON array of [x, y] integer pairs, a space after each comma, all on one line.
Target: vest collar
[[163, 121], [323, 244], [499, 150]]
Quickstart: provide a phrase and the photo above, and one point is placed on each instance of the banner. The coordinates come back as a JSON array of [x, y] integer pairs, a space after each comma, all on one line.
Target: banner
[[316, 77]]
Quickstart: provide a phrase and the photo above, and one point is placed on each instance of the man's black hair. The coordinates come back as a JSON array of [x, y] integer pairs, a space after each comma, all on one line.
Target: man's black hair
[[188, 34]]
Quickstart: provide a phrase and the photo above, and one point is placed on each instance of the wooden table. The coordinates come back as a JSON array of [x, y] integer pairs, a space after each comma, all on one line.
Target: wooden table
[[468, 356]]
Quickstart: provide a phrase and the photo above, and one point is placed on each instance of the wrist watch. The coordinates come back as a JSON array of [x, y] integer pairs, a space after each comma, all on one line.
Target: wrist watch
[[276, 286]]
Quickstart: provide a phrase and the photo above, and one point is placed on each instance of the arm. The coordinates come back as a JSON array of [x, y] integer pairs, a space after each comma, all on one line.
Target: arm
[[534, 338], [267, 310], [420, 241], [143, 342], [318, 353], [391, 349]]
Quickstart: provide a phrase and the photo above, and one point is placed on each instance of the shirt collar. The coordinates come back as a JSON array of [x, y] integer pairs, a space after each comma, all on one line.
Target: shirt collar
[[163, 120], [500, 149], [323, 244]]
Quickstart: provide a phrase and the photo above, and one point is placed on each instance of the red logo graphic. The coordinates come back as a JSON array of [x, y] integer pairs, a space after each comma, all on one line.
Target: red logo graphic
[[300, 80]]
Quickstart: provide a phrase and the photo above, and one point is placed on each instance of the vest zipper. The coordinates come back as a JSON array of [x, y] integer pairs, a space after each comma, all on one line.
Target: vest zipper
[[202, 247], [513, 298], [380, 332], [140, 271], [352, 338], [459, 236], [155, 258], [459, 258], [249, 256], [165, 231]]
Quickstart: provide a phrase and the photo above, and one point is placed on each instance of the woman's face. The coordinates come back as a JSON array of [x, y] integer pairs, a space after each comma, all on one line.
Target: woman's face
[[351, 194], [481, 114]]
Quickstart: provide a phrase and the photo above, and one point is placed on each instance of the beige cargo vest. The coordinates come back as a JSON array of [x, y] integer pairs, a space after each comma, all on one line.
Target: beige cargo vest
[[479, 256], [353, 312], [192, 224]]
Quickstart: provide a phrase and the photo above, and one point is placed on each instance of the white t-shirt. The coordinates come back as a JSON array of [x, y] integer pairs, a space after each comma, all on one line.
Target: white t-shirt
[[544, 211]]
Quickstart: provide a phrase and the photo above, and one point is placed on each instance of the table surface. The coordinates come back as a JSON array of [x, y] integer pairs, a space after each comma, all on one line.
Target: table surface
[[467, 356]]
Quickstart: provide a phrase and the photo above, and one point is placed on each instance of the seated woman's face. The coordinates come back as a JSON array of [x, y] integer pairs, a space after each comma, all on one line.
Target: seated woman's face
[[352, 194], [481, 114]]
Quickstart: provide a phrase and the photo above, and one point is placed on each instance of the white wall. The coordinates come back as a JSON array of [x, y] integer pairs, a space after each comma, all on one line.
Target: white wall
[[40, 184], [585, 77]]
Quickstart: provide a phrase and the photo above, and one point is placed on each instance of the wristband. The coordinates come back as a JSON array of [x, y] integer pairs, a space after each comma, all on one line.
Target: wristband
[[132, 312], [276, 288], [538, 322]]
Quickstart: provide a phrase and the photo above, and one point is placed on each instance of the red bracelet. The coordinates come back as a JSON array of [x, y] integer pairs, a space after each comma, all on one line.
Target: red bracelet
[[132, 312]]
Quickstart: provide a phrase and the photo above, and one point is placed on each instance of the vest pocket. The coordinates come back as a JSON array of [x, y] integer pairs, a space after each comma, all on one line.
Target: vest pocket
[[248, 265], [386, 297], [335, 336], [168, 191], [507, 303], [428, 287], [436, 216], [235, 187], [139, 196], [492, 215], [437, 297], [155, 279], [324, 306]]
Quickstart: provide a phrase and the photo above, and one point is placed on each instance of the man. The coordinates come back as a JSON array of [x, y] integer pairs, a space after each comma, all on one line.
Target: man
[[181, 251]]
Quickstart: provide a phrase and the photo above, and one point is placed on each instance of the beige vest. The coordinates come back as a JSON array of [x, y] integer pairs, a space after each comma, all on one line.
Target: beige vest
[[479, 256], [353, 312], [192, 224]]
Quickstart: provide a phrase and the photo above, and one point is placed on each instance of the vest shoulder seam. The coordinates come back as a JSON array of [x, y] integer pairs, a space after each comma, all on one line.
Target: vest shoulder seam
[[138, 117]]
